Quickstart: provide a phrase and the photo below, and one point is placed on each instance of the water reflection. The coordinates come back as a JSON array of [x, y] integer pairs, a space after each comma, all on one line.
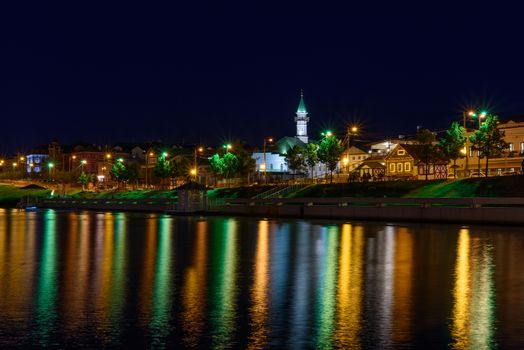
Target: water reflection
[[259, 301], [46, 292], [194, 289], [162, 284], [473, 310], [327, 286], [223, 290], [121, 280], [349, 289]]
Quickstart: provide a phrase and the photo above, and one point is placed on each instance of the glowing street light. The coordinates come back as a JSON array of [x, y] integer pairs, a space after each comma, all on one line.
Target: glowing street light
[[108, 156], [50, 166], [194, 171], [266, 140], [120, 160], [479, 115]]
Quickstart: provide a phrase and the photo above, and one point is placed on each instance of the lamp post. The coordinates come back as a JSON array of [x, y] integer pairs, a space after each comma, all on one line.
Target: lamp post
[[479, 115], [351, 131], [49, 169], [194, 171], [148, 157], [266, 140], [82, 163]]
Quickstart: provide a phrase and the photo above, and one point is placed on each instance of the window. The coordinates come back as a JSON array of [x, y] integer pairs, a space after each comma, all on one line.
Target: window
[[407, 166], [401, 152], [511, 148], [522, 147], [392, 167], [399, 167], [470, 151]]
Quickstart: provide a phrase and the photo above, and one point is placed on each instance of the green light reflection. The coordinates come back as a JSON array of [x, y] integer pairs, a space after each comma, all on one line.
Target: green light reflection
[[224, 292], [162, 284], [326, 302], [46, 293]]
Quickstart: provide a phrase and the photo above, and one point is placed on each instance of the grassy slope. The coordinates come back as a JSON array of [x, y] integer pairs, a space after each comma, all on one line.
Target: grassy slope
[[504, 186], [239, 192], [136, 194], [10, 195]]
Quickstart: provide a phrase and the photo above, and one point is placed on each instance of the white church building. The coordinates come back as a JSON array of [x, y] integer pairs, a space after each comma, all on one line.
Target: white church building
[[274, 162]]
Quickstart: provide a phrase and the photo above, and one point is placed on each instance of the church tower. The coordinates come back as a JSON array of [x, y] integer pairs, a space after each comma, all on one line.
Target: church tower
[[301, 119]]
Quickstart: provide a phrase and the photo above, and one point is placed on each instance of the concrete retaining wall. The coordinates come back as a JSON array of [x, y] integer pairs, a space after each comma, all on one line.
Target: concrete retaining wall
[[477, 215]]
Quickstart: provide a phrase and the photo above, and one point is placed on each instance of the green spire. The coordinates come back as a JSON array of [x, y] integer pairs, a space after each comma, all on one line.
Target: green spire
[[301, 105]]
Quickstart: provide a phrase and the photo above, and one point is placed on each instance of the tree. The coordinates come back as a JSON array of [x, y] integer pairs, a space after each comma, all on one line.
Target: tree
[[230, 166], [83, 179], [452, 144], [246, 163], [427, 150], [226, 166], [162, 169], [216, 164], [295, 159], [329, 152], [118, 172], [311, 156], [489, 140]]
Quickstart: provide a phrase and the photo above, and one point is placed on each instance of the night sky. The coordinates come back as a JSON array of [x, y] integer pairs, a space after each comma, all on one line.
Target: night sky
[[198, 72]]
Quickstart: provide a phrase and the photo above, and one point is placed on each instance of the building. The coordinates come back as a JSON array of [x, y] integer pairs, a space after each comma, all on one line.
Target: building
[[274, 161], [510, 162], [35, 162], [352, 158], [370, 169], [404, 162], [302, 119]]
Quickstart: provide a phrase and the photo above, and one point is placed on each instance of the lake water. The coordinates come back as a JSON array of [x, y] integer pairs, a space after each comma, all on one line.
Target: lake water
[[87, 279]]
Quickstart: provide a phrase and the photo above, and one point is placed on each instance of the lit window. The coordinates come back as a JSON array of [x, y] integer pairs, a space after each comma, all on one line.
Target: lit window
[[399, 167], [407, 167], [522, 147], [401, 152], [392, 167], [511, 148]]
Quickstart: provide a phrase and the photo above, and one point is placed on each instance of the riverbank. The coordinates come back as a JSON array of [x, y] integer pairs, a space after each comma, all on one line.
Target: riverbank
[[492, 200]]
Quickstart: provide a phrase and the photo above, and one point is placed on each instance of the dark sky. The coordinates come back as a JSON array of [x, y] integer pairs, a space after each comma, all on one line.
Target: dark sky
[[194, 71]]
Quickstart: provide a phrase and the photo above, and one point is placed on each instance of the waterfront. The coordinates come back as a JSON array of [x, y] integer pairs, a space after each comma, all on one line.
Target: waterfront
[[91, 279]]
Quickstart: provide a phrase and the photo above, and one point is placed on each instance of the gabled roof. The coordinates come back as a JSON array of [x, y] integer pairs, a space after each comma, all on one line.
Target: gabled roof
[[372, 164], [414, 151]]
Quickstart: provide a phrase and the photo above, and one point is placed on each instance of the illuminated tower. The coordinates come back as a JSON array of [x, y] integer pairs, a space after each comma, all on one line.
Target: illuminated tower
[[301, 119]]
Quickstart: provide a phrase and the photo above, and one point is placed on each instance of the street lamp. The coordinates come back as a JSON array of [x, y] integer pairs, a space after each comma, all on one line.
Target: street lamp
[[49, 167], [148, 157], [479, 115], [194, 171], [82, 163], [266, 140], [350, 131]]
